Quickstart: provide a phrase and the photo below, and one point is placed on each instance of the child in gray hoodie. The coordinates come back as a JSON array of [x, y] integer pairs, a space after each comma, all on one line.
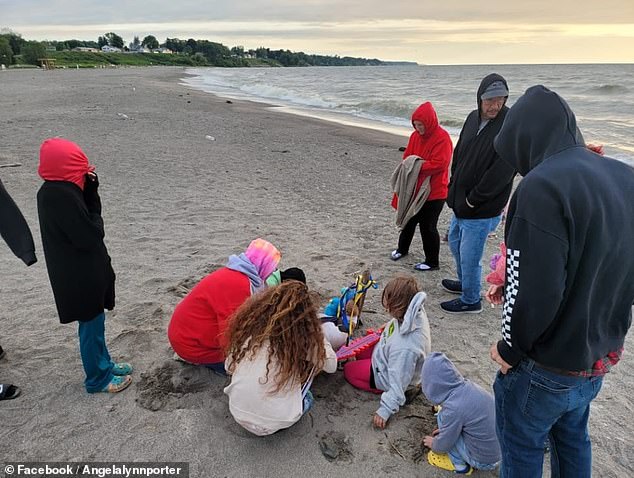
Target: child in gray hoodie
[[465, 437], [397, 358]]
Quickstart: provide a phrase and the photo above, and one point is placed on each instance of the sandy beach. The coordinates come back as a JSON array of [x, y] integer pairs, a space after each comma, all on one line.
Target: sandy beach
[[187, 179]]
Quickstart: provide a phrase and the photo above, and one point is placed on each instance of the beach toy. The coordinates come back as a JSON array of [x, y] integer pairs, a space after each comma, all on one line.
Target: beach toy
[[355, 293], [358, 345], [331, 309]]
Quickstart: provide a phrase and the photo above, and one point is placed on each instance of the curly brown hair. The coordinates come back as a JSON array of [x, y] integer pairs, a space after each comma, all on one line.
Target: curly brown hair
[[286, 317], [397, 295]]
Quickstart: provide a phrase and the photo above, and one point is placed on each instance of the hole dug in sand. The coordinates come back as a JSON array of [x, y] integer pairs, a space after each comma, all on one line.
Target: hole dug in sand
[[336, 446], [165, 387]]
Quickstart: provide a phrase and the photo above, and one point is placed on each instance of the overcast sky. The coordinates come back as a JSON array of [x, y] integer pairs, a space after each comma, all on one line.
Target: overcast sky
[[438, 32]]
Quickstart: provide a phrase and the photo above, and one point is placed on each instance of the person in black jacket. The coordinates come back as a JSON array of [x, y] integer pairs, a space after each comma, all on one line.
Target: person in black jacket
[[569, 286], [78, 263], [479, 189], [16, 233]]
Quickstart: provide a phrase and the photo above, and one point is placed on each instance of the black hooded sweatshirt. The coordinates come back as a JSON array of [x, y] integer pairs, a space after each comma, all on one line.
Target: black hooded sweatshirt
[[477, 174], [569, 236]]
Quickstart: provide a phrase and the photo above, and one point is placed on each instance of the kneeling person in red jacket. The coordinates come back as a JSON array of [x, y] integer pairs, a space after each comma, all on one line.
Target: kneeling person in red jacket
[[196, 331]]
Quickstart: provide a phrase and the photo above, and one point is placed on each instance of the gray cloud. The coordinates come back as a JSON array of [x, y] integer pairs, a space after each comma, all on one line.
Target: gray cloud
[[66, 12]]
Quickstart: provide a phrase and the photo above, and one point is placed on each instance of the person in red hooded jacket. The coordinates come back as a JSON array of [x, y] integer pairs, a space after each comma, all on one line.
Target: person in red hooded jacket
[[432, 143], [77, 260]]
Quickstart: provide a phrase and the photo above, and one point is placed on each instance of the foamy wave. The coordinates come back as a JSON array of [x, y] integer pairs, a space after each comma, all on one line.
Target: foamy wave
[[384, 108], [451, 123], [277, 93], [609, 90]]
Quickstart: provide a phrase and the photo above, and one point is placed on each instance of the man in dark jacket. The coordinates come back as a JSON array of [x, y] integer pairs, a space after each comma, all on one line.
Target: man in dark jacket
[[569, 286], [16, 233], [479, 189]]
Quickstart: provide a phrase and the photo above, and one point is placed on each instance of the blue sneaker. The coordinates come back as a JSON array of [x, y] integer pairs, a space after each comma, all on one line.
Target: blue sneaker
[[456, 306], [453, 286]]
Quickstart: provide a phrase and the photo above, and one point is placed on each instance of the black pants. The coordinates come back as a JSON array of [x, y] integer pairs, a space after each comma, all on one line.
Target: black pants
[[427, 220]]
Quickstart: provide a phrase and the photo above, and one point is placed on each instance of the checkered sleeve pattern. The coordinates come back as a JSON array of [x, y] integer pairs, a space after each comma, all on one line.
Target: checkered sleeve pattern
[[510, 293]]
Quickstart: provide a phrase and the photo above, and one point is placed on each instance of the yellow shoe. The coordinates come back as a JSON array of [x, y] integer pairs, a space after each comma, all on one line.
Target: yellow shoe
[[442, 460]]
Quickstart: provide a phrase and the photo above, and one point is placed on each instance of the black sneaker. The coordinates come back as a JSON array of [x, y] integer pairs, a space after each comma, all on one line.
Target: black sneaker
[[456, 306], [453, 286]]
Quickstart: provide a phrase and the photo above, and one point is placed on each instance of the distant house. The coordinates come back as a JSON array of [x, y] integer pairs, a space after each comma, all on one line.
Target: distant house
[[138, 48], [110, 49], [163, 50], [85, 48]]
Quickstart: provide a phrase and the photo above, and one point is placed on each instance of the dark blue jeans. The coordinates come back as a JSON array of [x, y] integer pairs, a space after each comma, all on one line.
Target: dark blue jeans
[[533, 404]]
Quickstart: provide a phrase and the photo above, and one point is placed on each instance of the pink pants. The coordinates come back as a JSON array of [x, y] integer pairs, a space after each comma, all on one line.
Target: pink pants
[[357, 372]]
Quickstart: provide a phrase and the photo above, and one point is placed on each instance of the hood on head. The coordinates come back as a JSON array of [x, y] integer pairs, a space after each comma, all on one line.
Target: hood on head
[[539, 125], [426, 114], [63, 160], [264, 256], [412, 319], [485, 83], [439, 377]]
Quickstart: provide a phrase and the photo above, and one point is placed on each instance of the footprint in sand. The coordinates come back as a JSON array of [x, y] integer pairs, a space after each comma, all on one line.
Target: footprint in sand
[[183, 287]]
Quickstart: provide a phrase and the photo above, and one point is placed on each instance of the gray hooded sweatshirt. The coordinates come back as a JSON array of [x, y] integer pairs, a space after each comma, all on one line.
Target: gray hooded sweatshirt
[[467, 410], [398, 356]]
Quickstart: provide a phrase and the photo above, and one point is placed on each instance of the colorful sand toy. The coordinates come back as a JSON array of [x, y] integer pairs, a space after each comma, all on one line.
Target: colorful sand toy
[[358, 345]]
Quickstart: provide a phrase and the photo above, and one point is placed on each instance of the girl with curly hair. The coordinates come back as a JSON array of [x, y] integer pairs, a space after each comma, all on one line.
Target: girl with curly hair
[[275, 348]]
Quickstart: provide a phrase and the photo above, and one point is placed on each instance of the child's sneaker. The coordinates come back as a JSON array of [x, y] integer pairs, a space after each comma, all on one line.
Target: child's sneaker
[[117, 384], [122, 368]]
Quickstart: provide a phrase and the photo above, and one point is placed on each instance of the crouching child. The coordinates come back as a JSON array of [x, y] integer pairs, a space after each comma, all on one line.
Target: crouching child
[[392, 368], [465, 438]]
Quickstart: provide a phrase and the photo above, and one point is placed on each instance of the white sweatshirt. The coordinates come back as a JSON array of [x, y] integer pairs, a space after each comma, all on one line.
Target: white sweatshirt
[[251, 402]]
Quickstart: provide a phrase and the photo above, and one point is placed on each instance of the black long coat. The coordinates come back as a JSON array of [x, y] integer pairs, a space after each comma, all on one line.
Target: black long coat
[[14, 229], [77, 260]]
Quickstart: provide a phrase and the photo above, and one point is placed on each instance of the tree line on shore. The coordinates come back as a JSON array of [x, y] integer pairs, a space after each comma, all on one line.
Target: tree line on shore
[[14, 49]]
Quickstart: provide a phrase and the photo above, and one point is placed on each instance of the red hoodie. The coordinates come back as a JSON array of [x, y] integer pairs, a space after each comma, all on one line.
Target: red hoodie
[[63, 160], [197, 329], [435, 147]]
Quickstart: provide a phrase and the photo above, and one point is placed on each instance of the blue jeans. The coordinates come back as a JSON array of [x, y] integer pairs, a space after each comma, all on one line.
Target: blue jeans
[[307, 402], [94, 354], [467, 238], [218, 367], [533, 404], [459, 455]]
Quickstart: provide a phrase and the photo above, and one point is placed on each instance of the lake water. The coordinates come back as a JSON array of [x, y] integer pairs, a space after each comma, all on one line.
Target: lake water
[[383, 97]]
